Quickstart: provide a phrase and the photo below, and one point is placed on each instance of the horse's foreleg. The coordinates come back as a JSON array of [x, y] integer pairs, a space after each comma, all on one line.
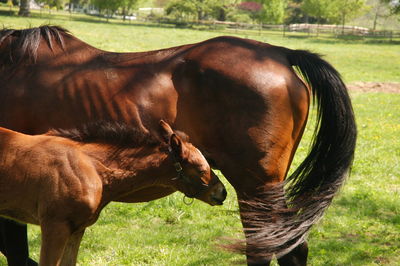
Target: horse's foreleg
[[14, 242], [55, 236], [71, 250]]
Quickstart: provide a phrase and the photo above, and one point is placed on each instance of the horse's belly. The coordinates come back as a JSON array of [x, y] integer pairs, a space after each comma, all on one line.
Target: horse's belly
[[147, 194], [19, 216]]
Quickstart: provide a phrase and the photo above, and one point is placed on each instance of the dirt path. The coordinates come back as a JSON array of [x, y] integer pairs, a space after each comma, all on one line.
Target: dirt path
[[389, 87]]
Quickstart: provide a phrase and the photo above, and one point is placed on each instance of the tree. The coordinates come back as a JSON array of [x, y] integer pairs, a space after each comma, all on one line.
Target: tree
[[394, 5], [74, 3], [181, 9], [379, 9], [107, 6], [24, 8], [296, 14], [59, 4], [322, 10], [346, 9], [273, 11], [199, 9], [127, 6], [253, 9]]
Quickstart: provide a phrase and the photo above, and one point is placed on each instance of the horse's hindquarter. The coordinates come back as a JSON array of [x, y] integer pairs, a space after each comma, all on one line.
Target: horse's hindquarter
[[245, 106]]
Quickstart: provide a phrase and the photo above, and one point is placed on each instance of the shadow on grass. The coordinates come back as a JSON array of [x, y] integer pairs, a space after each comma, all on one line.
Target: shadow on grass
[[299, 37], [345, 252], [8, 13], [369, 230], [364, 204]]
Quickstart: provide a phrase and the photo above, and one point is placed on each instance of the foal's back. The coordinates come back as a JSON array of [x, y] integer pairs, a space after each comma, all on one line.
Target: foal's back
[[34, 169]]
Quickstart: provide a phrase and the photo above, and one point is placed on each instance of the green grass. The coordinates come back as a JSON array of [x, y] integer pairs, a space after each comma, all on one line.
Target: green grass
[[363, 225], [361, 228]]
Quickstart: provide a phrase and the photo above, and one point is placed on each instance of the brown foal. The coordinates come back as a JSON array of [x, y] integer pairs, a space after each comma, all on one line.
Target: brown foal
[[63, 179]]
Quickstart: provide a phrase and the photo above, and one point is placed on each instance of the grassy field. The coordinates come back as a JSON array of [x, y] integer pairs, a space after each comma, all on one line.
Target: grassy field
[[361, 228]]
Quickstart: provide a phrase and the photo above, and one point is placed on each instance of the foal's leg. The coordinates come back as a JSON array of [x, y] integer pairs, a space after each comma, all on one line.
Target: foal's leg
[[55, 236], [71, 250]]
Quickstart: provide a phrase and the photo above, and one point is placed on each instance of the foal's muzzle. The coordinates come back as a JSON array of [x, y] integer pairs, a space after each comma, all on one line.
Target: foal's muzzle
[[218, 194]]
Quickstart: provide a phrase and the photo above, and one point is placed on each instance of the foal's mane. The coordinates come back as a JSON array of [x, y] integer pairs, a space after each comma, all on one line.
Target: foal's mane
[[27, 41], [114, 133]]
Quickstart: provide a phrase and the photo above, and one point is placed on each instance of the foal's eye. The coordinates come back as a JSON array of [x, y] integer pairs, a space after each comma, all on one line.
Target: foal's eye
[[203, 172]]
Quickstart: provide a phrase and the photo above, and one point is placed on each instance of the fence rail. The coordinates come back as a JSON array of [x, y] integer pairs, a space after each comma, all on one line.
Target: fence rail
[[306, 30]]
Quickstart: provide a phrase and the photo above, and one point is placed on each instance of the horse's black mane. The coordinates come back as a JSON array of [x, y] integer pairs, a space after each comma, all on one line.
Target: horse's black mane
[[28, 40], [114, 133]]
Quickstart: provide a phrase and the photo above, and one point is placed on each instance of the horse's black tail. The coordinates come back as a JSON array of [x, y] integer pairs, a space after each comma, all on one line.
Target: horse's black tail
[[277, 228], [334, 141]]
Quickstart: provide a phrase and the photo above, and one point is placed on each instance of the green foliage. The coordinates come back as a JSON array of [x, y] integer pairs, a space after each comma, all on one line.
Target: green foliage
[[320, 9], [59, 4], [347, 9], [109, 5], [394, 5], [334, 11], [127, 6], [199, 9], [181, 9], [235, 15], [273, 11]]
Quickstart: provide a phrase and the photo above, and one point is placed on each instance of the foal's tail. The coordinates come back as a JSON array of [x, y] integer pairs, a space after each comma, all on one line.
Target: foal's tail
[[312, 186]]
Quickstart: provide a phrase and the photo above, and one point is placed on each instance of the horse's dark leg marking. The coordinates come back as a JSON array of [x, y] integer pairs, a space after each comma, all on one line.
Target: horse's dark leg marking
[[297, 257], [15, 243]]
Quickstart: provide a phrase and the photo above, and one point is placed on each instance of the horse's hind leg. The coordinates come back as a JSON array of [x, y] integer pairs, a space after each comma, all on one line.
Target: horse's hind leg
[[71, 250], [55, 236], [296, 257], [259, 210]]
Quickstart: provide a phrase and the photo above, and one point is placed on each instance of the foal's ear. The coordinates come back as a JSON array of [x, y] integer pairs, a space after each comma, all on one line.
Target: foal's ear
[[165, 130], [176, 145]]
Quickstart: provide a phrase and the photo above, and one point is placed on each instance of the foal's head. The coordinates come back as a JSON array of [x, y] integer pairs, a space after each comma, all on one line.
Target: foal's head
[[194, 176]]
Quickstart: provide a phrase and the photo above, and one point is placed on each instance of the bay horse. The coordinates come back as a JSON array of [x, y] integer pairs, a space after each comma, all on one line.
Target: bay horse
[[240, 101], [63, 179]]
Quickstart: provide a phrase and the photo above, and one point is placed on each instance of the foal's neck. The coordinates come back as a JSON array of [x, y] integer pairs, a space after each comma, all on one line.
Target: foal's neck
[[125, 171]]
